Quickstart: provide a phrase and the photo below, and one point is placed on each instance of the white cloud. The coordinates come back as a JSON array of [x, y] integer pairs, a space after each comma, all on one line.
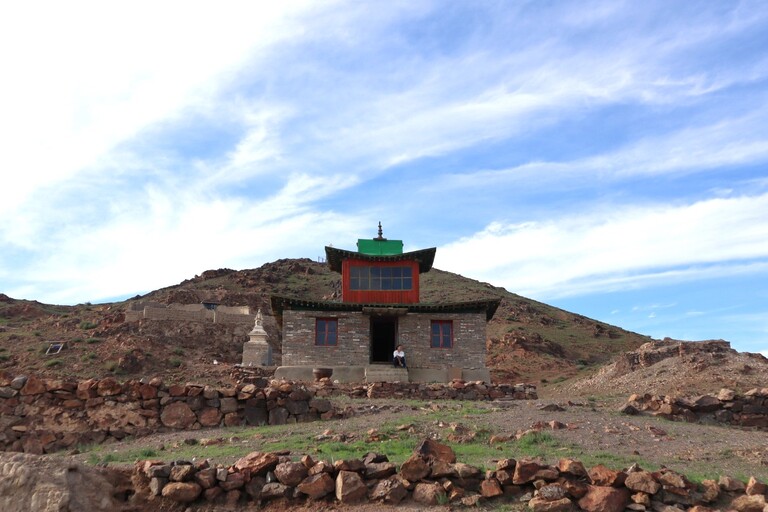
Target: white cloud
[[617, 247]]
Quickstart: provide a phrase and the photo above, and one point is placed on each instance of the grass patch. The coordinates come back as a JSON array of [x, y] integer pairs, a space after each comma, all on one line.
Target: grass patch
[[53, 363], [87, 325], [175, 362], [178, 351], [91, 341], [4, 358]]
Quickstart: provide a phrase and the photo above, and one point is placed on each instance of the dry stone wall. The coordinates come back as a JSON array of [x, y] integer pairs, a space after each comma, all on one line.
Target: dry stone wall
[[189, 313], [432, 476], [45, 415], [743, 410]]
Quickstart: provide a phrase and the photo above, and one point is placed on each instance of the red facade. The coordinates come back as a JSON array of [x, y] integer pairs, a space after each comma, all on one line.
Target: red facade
[[409, 296]]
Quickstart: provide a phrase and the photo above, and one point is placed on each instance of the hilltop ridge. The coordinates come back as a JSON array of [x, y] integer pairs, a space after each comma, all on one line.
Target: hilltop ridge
[[527, 340]]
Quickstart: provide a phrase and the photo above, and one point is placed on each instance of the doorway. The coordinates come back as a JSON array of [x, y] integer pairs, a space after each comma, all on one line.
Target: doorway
[[383, 338]]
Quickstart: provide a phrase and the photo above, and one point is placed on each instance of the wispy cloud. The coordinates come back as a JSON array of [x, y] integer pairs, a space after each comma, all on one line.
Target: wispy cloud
[[620, 247]]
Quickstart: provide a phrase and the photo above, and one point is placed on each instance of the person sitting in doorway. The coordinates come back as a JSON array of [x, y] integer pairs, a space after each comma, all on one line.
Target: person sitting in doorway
[[398, 357]]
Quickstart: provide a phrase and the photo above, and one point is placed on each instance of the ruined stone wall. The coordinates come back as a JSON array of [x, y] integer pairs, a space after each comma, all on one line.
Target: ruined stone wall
[[192, 313], [353, 348], [728, 407], [432, 476], [45, 415]]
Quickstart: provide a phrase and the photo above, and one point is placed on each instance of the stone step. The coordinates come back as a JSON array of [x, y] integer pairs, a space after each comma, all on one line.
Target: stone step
[[386, 374]]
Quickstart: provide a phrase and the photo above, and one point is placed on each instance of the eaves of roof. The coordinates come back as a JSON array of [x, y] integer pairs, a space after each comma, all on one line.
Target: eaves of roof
[[425, 257]]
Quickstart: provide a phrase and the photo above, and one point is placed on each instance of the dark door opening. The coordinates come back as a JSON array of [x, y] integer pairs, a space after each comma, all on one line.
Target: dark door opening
[[383, 336]]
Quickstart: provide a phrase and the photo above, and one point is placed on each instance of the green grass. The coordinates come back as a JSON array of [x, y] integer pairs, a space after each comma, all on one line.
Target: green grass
[[175, 362], [91, 341], [178, 351], [53, 363], [87, 325]]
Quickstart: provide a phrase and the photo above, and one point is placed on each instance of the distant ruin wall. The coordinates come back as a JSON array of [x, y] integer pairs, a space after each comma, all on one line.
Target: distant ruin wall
[[728, 407], [190, 313]]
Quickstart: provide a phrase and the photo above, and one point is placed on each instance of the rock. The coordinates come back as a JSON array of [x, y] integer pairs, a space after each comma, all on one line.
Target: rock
[[350, 487], [414, 468], [253, 487], [755, 486], [156, 485], [467, 471], [274, 490], [379, 470], [490, 488], [670, 479], [257, 463], [206, 478], [710, 491], [18, 382], [108, 387], [572, 467], [552, 492], [604, 499], [538, 504], [32, 386], [442, 469], [178, 415], [642, 481], [428, 493], [726, 395], [434, 450], [355, 465], [706, 403], [754, 503], [291, 473], [182, 473], [727, 483], [390, 490], [525, 471], [183, 492], [234, 481], [213, 493], [603, 476], [209, 417], [629, 410], [317, 486]]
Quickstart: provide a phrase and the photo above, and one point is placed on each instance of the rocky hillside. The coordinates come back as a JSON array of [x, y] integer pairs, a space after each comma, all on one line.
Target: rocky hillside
[[527, 340]]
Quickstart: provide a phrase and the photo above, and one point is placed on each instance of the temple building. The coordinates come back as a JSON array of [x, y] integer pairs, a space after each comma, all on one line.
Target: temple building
[[380, 309]]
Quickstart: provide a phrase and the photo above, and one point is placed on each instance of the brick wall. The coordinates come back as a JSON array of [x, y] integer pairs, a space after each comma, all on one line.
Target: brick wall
[[353, 348]]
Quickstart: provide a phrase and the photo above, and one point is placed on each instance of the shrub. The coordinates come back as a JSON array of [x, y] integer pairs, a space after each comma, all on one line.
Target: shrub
[[54, 362], [178, 351], [175, 362], [91, 341], [87, 325]]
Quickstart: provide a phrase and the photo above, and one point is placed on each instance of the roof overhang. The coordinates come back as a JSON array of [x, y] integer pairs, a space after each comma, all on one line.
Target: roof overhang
[[280, 304], [425, 257]]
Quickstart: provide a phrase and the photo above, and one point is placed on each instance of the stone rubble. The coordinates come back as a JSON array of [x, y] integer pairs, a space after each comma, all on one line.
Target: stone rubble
[[432, 476], [40, 415], [727, 407]]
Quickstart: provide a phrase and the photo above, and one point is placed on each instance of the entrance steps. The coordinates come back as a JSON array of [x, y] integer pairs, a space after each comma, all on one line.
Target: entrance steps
[[386, 373]]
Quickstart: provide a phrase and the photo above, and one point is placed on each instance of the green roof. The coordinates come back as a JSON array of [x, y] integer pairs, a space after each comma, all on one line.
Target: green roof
[[379, 246], [424, 257]]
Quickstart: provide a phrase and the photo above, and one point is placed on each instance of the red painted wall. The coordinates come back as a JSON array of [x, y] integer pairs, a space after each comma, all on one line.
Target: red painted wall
[[379, 296]]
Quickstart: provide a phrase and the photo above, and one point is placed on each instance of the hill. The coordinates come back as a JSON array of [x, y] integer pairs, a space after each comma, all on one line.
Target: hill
[[527, 340]]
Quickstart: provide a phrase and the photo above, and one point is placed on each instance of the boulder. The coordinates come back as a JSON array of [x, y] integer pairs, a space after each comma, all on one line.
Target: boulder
[[434, 450], [257, 463], [317, 486], [178, 415], [390, 490], [572, 467], [603, 476], [234, 481], [428, 493], [746, 503], [109, 387], [538, 504], [274, 490], [490, 488], [414, 468], [291, 473], [642, 481], [350, 488], [755, 486], [183, 492], [209, 417], [525, 471], [605, 499]]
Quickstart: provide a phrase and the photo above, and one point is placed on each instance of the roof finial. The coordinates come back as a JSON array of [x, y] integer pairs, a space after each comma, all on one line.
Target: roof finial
[[381, 233]]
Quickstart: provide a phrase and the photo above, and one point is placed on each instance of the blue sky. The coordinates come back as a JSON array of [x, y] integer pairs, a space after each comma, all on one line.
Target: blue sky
[[604, 157]]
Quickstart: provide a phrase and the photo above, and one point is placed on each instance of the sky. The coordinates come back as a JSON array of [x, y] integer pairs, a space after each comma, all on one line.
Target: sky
[[606, 157]]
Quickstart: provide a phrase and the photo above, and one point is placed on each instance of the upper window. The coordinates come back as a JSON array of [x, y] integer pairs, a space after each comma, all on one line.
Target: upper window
[[380, 278], [326, 331], [441, 334]]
